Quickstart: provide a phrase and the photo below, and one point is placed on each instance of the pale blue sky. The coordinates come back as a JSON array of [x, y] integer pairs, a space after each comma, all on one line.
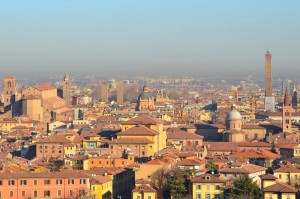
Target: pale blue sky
[[149, 36]]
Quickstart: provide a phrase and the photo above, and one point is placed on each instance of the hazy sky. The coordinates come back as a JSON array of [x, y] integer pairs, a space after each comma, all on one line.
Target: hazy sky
[[149, 36]]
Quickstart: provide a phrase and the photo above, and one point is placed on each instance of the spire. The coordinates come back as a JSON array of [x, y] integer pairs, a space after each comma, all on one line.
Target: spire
[[287, 100], [66, 78]]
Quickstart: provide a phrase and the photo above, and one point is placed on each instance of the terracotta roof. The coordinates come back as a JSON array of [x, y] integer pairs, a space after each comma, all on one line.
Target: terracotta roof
[[279, 187], [256, 154], [43, 87], [254, 144], [142, 119], [54, 139], [245, 169], [252, 127], [222, 146], [190, 162], [268, 177], [142, 181], [99, 179], [160, 161], [206, 178], [138, 130], [288, 168], [131, 141], [143, 188], [176, 133]]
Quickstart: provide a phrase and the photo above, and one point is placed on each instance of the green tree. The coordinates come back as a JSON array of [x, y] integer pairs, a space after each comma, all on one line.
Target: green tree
[[55, 164], [245, 188], [212, 166], [177, 187]]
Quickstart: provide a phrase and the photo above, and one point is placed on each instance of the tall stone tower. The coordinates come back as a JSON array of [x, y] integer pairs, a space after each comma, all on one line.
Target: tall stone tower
[[9, 90], [66, 90], [269, 99], [253, 107], [120, 91], [104, 91], [287, 110]]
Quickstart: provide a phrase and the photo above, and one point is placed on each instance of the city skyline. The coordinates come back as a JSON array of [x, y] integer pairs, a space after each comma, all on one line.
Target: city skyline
[[139, 38]]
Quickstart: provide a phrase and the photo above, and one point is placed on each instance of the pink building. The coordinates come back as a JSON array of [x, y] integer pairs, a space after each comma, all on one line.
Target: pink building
[[41, 185]]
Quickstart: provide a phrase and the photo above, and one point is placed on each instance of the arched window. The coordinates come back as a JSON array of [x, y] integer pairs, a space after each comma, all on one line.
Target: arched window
[[9, 84]]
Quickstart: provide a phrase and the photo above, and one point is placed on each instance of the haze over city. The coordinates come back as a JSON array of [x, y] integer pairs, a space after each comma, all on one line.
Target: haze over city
[[149, 37]]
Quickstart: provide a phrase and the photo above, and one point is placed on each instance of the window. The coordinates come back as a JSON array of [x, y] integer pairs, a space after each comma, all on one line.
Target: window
[[198, 187], [207, 187], [23, 182], [217, 187], [198, 196], [138, 197], [71, 193], [47, 193], [143, 153], [207, 196], [35, 193], [11, 182], [149, 197], [81, 192], [46, 181], [0, 183], [35, 182], [82, 181], [59, 181], [71, 181], [11, 193], [23, 193], [279, 176], [58, 192]]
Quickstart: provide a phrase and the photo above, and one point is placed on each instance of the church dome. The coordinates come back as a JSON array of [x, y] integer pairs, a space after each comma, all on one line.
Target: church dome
[[233, 114], [144, 96]]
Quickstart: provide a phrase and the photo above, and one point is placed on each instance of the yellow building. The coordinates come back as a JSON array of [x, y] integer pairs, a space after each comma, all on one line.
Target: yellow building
[[207, 186], [101, 187], [8, 123], [142, 136], [288, 174], [144, 191], [272, 189]]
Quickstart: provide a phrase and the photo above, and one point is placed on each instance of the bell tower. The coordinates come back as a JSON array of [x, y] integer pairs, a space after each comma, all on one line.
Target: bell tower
[[9, 91], [66, 90], [287, 110]]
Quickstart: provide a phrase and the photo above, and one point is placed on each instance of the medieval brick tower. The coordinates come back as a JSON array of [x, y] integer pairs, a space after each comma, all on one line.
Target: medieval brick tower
[[287, 110], [104, 91], [120, 91], [269, 99], [66, 90], [9, 90]]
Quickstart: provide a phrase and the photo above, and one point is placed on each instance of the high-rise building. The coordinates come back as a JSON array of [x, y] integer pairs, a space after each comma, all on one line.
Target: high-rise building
[[9, 91], [287, 110], [104, 91], [269, 99], [120, 91], [66, 90]]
